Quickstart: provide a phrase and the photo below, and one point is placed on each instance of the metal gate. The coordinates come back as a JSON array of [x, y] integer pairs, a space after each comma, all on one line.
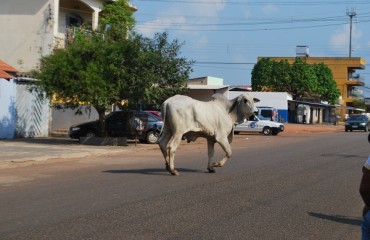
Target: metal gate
[[32, 113]]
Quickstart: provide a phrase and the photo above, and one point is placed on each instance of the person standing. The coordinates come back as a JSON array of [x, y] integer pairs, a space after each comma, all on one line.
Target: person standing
[[365, 194]]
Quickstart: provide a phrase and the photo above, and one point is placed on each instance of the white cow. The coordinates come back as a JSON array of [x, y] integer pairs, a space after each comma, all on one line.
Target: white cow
[[213, 120]]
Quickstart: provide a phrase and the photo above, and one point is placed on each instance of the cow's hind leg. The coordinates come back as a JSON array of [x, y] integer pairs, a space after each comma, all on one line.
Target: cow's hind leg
[[224, 143], [211, 152], [163, 144], [172, 146]]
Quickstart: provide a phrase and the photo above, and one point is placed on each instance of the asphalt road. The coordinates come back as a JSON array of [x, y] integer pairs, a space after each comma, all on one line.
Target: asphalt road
[[290, 186]]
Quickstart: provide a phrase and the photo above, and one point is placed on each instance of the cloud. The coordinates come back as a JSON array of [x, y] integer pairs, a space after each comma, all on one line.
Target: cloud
[[181, 17], [161, 24], [201, 42], [339, 40], [269, 9]]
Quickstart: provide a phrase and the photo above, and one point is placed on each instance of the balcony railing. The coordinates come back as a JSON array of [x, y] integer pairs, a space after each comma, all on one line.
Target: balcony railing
[[63, 39]]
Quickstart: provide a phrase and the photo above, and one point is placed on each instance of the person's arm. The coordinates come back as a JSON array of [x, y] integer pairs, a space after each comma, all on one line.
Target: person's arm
[[365, 189]]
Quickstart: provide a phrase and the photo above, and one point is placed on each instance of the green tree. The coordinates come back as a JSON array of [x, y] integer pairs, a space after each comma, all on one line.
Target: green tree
[[303, 79], [116, 19], [157, 71], [327, 87], [103, 68], [87, 72], [300, 79], [261, 75], [281, 77], [359, 103]]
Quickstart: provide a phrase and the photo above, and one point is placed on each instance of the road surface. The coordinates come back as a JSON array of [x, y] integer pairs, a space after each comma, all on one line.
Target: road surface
[[290, 186]]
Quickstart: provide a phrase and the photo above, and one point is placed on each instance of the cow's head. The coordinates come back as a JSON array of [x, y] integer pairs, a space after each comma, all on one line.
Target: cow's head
[[246, 106]]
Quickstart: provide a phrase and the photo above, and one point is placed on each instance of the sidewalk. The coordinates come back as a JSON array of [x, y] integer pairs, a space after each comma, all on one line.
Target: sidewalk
[[23, 151]]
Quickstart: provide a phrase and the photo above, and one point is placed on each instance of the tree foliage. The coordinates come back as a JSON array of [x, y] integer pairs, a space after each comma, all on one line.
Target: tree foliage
[[116, 19], [327, 87], [300, 79], [101, 70], [156, 71], [359, 103]]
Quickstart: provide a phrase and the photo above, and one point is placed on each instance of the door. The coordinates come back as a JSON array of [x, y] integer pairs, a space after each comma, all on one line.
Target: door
[[116, 124]]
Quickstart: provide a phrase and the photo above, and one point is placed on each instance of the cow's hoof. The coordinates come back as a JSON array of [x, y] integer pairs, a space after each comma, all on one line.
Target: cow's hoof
[[211, 170], [217, 164], [174, 173], [168, 167]]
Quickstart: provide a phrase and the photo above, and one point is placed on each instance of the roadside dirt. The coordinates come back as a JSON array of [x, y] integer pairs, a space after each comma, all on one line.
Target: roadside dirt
[[308, 128]]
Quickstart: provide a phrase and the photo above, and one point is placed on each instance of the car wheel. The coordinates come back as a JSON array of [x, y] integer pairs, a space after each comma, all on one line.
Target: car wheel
[[152, 137], [90, 133], [236, 132], [266, 131], [346, 129]]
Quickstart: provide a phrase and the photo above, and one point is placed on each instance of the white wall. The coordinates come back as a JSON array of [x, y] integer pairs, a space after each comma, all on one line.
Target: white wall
[[29, 28], [278, 100], [27, 32], [7, 108]]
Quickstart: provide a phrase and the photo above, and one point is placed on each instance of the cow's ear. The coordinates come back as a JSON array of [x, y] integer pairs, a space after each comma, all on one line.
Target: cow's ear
[[256, 100], [239, 100]]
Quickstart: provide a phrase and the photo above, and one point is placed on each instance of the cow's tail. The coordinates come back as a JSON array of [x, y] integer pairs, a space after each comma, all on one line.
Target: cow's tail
[[163, 113]]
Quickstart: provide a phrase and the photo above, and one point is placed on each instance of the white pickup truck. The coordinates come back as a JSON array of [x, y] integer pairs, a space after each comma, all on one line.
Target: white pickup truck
[[259, 124]]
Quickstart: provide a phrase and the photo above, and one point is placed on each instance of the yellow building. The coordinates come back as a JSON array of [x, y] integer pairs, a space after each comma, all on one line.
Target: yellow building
[[344, 74]]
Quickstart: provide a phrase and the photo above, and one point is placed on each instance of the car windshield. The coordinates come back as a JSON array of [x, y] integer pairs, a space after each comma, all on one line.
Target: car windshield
[[153, 118], [256, 118], [358, 118]]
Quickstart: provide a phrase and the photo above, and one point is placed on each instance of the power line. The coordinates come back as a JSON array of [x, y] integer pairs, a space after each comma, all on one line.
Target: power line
[[227, 63], [283, 3], [188, 27], [241, 63], [249, 30]]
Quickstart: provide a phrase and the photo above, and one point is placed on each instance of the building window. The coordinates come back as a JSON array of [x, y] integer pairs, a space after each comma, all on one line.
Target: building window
[[73, 19]]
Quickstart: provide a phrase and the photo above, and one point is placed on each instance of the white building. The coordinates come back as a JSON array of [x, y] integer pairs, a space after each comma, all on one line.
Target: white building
[[278, 100], [33, 28], [30, 30]]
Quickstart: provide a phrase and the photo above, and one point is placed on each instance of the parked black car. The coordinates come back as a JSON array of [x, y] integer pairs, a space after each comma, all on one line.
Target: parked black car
[[357, 122], [142, 125]]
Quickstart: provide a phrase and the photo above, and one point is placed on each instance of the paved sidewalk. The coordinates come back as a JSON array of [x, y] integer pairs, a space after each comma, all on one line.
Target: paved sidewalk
[[28, 150], [21, 151]]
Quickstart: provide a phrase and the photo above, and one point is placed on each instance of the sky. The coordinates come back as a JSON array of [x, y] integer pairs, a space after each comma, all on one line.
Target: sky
[[225, 37]]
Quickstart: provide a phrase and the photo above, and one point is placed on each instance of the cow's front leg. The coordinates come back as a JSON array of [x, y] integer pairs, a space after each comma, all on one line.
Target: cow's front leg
[[211, 152], [224, 143]]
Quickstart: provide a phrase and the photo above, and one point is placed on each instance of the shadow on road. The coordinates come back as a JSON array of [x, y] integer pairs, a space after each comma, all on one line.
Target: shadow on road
[[152, 171], [343, 155], [46, 140], [338, 218]]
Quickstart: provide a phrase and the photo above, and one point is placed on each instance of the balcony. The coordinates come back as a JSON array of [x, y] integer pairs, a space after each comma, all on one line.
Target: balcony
[[63, 39], [354, 92], [355, 80]]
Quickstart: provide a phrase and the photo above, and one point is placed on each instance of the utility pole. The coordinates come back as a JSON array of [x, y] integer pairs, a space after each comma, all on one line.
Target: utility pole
[[351, 14]]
